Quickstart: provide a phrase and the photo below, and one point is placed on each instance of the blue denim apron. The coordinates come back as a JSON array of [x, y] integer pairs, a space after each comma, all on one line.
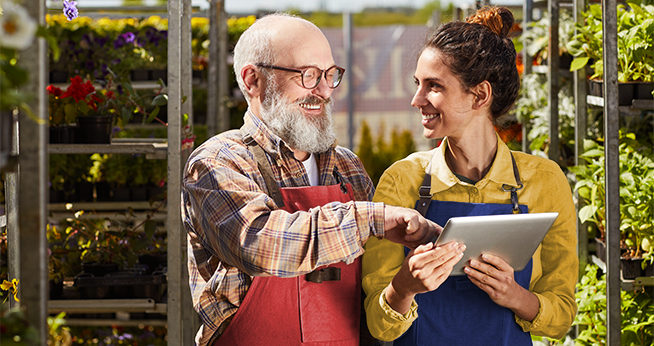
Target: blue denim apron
[[459, 312]]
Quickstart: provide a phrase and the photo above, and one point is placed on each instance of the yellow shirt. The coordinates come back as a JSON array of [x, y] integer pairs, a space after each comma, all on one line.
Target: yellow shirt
[[555, 262]]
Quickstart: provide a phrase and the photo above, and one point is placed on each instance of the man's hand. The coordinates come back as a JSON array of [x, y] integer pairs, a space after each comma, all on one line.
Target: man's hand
[[407, 227]]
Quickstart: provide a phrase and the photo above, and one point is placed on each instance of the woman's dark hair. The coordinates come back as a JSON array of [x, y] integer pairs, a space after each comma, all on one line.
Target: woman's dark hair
[[480, 50]]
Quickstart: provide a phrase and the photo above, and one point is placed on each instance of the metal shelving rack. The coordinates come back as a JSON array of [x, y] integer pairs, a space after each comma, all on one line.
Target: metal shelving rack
[[612, 113], [26, 187]]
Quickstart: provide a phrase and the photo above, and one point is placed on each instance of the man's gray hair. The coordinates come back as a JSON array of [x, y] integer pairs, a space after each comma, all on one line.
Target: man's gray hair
[[255, 46]]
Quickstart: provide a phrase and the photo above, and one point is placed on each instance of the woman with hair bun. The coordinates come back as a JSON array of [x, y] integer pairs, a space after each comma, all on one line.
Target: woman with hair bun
[[466, 78]]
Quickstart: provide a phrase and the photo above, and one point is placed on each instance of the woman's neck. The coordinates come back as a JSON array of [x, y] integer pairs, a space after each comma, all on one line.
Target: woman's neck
[[472, 156]]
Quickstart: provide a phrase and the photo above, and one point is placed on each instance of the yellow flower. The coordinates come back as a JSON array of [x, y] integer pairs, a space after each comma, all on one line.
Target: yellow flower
[[11, 287]]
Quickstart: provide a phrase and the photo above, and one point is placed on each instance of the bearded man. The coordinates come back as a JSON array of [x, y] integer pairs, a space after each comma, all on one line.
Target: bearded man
[[276, 212]]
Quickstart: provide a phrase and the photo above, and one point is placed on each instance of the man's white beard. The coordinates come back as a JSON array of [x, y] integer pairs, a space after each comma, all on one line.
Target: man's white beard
[[285, 119]]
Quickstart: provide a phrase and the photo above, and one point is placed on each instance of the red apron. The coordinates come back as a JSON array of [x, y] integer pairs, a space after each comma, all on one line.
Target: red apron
[[295, 311]]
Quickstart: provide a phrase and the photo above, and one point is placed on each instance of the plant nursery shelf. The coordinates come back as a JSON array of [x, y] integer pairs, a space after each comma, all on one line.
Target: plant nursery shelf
[[86, 322], [73, 306], [152, 149], [626, 285], [140, 85], [635, 105], [112, 206]]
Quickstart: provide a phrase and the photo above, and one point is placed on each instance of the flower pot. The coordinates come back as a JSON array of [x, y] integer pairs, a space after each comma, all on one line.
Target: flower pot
[[156, 261], [102, 191], [84, 190], [94, 129], [120, 193], [139, 75], [162, 74], [631, 268], [644, 90], [62, 134], [627, 92], [58, 77], [99, 269], [139, 193]]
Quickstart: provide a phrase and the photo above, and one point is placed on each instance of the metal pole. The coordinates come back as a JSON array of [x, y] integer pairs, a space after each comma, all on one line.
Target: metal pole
[[527, 10], [348, 43], [212, 76], [553, 78], [32, 241], [186, 62], [176, 253], [223, 75], [581, 126], [612, 171]]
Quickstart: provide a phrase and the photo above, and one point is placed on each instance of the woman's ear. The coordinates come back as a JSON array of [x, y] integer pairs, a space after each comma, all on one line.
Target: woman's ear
[[251, 81], [484, 94]]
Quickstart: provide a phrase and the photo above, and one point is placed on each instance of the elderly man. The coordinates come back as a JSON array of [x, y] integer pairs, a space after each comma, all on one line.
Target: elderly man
[[276, 212]]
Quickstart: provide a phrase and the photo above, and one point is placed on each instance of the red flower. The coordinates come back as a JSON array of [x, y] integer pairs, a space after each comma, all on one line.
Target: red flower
[[55, 91]]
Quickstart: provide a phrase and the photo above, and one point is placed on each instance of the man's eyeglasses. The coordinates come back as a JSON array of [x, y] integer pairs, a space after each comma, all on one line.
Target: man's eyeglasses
[[311, 76]]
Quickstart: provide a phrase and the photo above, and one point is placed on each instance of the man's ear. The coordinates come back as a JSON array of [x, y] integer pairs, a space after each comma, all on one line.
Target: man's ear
[[483, 92], [253, 84]]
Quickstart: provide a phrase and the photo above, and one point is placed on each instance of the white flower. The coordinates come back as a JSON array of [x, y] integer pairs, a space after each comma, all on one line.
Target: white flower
[[17, 28]]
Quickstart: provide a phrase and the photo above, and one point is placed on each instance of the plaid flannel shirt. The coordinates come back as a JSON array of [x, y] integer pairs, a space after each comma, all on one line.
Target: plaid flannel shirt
[[235, 230]]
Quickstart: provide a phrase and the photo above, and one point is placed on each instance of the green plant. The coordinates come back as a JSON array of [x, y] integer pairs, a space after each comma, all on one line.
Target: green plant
[[532, 106], [635, 42], [536, 39], [636, 193], [637, 312], [376, 158]]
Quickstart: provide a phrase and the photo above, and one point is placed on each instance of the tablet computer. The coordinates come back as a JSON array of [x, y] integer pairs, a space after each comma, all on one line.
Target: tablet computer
[[512, 237]]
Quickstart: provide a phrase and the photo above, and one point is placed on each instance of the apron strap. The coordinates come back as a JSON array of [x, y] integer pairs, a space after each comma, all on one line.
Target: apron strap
[[265, 169], [514, 194], [425, 189]]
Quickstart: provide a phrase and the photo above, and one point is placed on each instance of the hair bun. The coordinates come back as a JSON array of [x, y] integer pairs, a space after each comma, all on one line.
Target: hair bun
[[498, 19]]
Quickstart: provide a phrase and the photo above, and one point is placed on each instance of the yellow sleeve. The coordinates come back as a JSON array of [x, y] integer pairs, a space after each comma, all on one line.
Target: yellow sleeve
[[555, 286], [381, 261]]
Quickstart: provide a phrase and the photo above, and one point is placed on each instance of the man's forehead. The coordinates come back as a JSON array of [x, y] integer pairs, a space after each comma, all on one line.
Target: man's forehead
[[302, 48]]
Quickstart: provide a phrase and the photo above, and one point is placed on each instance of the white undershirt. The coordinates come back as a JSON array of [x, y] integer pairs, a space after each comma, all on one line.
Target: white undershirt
[[312, 170]]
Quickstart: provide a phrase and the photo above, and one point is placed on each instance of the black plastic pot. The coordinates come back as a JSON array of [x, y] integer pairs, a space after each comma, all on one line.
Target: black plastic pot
[[631, 268], [627, 92], [58, 77], [99, 269], [94, 129], [62, 134]]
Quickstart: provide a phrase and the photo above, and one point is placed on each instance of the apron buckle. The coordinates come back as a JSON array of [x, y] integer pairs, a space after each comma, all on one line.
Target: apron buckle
[[324, 274]]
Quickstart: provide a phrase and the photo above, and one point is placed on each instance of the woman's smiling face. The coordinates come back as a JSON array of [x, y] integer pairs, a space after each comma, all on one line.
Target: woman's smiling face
[[445, 107]]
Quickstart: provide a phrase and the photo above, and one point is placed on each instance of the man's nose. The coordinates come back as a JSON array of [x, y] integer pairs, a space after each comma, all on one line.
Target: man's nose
[[322, 89]]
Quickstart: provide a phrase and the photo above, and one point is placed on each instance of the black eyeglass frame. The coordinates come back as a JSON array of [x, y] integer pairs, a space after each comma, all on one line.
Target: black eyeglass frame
[[301, 72]]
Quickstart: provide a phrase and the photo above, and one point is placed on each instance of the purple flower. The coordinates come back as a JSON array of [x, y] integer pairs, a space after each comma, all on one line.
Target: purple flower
[[124, 39], [129, 37], [70, 9]]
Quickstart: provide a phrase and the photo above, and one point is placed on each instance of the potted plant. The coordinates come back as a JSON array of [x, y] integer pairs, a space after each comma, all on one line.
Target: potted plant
[[636, 199], [536, 39], [635, 50], [637, 309]]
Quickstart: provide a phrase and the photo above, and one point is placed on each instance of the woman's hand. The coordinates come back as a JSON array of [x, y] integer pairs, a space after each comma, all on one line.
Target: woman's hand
[[495, 277], [424, 269]]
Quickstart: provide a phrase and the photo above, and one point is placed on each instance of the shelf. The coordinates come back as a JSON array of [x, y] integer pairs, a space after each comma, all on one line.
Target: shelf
[[626, 285], [93, 322], [138, 85], [73, 306], [153, 148], [543, 69], [111, 206], [636, 105]]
